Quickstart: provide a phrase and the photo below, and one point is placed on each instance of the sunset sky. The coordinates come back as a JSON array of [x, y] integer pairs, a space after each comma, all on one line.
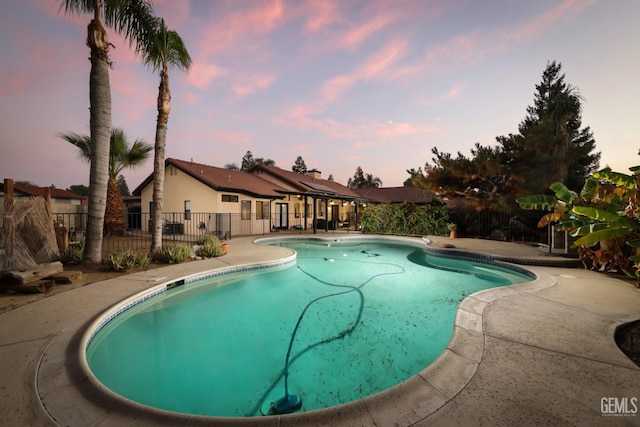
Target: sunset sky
[[370, 83]]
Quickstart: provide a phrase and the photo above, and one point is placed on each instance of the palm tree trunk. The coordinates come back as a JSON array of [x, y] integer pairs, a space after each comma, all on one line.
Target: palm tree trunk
[[164, 107], [100, 127], [114, 215]]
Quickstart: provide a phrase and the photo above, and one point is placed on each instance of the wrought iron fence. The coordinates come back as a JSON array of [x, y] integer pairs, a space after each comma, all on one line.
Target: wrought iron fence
[[188, 228], [500, 225]]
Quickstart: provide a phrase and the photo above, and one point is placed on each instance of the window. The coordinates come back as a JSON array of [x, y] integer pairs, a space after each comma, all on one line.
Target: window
[[262, 210], [245, 207], [230, 198]]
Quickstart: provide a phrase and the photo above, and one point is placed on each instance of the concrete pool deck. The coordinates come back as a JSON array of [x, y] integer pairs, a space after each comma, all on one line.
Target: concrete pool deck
[[537, 353]]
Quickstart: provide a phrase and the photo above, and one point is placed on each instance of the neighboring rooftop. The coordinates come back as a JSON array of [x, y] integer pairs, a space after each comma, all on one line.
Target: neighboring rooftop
[[23, 190], [407, 194]]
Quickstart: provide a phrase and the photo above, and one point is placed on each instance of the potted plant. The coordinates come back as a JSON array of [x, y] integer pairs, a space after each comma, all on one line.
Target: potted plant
[[453, 230]]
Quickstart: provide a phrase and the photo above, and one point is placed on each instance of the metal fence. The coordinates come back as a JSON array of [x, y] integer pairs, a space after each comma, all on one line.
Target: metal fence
[[189, 227], [501, 225]]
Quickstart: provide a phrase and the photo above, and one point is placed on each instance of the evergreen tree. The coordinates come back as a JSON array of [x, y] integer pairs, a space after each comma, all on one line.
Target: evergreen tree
[[552, 145], [362, 180], [80, 190], [248, 162], [266, 162], [299, 166], [232, 166], [357, 180], [124, 188]]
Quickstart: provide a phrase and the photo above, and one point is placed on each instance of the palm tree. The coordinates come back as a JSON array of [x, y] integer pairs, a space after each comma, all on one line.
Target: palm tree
[[371, 182], [162, 49], [125, 18], [121, 156]]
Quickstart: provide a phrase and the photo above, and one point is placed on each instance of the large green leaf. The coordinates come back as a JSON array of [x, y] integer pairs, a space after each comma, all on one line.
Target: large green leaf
[[571, 224], [634, 243], [606, 234], [594, 213], [543, 202], [588, 229], [635, 169], [616, 178], [589, 189], [625, 222], [562, 192]]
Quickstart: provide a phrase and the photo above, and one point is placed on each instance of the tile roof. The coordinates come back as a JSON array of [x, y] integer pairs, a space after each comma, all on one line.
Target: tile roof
[[32, 190], [221, 179], [307, 184], [407, 194]]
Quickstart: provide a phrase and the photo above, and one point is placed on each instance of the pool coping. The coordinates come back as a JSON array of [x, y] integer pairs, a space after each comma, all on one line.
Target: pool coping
[[404, 404]]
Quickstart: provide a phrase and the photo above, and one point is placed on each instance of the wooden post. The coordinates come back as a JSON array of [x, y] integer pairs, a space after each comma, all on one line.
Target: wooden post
[[8, 226]]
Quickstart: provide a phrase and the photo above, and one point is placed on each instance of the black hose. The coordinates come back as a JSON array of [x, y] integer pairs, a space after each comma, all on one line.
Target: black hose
[[342, 334]]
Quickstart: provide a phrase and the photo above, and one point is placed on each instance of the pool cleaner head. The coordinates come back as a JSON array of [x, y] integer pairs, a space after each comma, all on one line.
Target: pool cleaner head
[[289, 404]]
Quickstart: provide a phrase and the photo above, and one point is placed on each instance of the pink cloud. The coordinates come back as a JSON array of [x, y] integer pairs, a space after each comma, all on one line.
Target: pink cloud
[[565, 11], [321, 14], [453, 93], [356, 36], [235, 138], [393, 129], [236, 31], [251, 84], [175, 13], [384, 59], [201, 74], [379, 65], [472, 48], [334, 88], [191, 98]]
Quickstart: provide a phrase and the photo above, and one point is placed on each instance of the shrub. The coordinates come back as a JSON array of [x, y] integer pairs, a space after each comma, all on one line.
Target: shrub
[[202, 240], [73, 253], [211, 247], [126, 260], [174, 254], [404, 218]]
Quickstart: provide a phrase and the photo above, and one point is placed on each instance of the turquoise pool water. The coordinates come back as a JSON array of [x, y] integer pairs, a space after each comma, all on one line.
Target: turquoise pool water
[[355, 319]]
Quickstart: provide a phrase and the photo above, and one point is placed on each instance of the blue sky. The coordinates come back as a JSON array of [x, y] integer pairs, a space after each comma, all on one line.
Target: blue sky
[[371, 83]]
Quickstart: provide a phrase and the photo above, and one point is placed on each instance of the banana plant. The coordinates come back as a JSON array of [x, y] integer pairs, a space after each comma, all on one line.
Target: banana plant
[[611, 227], [605, 213]]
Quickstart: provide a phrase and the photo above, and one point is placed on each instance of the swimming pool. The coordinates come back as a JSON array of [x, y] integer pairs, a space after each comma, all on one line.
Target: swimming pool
[[204, 348]]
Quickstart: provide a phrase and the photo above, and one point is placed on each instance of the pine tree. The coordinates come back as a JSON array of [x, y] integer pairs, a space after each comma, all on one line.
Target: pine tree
[[248, 162], [552, 145], [299, 166], [124, 188]]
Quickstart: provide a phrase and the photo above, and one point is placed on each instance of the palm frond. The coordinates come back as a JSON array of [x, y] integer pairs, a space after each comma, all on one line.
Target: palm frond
[[82, 142]]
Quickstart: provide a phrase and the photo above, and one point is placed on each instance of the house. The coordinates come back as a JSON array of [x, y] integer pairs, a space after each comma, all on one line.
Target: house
[[62, 201], [315, 202], [69, 208], [199, 196], [266, 199], [223, 201]]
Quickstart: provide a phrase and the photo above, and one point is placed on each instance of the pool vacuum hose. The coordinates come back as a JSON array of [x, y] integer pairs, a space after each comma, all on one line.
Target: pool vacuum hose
[[290, 403]]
